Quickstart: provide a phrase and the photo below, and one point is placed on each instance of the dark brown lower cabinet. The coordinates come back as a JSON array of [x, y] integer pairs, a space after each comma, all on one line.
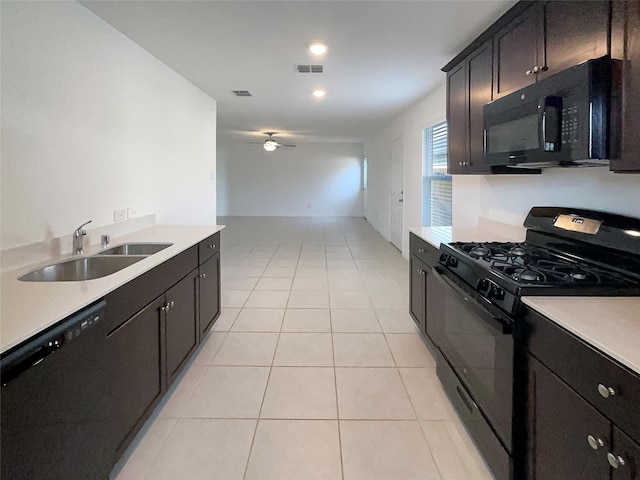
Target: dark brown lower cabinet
[[417, 296], [569, 439], [134, 352], [209, 293], [181, 324], [624, 457]]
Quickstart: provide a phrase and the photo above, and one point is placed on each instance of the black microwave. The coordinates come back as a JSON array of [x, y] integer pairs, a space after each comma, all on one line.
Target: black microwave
[[563, 120]]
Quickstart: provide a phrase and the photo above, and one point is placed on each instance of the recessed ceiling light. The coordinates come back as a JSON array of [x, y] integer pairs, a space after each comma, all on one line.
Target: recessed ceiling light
[[318, 48], [318, 93]]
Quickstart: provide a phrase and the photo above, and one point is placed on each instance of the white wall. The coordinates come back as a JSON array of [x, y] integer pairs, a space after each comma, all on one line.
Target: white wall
[[508, 199], [320, 179], [504, 198], [428, 111], [91, 123]]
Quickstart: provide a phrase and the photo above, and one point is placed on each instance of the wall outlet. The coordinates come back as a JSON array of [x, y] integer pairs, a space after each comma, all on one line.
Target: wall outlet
[[119, 215], [131, 213]]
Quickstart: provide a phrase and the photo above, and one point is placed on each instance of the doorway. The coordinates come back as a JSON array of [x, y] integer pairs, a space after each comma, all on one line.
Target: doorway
[[396, 193]]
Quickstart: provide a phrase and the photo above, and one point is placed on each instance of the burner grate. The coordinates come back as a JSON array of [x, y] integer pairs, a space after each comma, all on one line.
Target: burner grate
[[533, 265]]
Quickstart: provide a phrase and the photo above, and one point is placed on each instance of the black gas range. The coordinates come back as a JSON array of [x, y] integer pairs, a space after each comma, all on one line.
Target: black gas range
[[474, 320]]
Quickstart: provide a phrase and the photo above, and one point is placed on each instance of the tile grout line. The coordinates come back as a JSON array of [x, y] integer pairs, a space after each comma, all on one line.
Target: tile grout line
[[264, 395], [335, 382]]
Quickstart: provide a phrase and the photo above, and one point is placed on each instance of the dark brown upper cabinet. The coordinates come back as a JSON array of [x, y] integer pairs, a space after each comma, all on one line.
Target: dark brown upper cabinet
[[574, 31], [532, 41], [518, 51], [625, 46], [469, 88], [547, 38]]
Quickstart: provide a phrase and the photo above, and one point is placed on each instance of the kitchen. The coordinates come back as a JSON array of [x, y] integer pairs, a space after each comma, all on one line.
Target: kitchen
[[190, 132]]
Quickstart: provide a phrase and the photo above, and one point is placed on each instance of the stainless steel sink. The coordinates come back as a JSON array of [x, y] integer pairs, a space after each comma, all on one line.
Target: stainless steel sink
[[84, 268], [136, 249]]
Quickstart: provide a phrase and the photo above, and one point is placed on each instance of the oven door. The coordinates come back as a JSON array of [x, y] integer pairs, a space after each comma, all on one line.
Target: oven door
[[477, 342]]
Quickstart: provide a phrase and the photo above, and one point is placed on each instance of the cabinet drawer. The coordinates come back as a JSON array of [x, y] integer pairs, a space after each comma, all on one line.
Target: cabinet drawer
[[422, 249], [208, 247], [588, 371]]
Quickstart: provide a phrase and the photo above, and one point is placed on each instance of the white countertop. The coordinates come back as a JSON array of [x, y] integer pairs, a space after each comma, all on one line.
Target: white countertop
[[610, 324], [437, 235], [29, 307]]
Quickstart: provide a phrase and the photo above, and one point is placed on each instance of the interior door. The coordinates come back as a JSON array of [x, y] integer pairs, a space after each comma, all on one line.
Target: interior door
[[396, 194]]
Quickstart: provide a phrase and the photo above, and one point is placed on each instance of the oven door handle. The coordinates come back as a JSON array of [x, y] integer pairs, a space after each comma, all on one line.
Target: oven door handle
[[472, 305]]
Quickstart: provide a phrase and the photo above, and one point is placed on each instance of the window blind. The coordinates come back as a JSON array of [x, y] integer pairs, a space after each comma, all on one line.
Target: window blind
[[436, 184]]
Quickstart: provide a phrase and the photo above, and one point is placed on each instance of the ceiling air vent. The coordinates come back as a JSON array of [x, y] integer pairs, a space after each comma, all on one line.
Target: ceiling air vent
[[242, 93], [310, 68]]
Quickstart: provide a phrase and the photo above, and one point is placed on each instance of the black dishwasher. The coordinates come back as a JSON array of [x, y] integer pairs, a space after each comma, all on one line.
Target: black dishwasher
[[54, 420]]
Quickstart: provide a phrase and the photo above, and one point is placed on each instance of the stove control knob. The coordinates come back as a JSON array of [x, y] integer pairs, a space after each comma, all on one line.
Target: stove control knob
[[498, 293], [443, 258], [452, 262], [483, 284]]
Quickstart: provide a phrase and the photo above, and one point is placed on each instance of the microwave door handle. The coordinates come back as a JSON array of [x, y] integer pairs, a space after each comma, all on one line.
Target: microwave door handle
[[471, 305], [551, 123]]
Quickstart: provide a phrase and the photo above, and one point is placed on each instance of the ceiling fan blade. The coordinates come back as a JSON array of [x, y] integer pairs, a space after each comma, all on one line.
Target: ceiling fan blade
[[285, 145], [256, 143]]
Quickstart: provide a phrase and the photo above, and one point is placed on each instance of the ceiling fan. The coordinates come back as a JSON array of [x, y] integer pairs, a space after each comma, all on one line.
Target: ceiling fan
[[270, 144]]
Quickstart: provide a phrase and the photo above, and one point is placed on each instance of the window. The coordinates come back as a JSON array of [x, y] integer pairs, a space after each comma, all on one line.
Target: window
[[365, 172], [436, 184]]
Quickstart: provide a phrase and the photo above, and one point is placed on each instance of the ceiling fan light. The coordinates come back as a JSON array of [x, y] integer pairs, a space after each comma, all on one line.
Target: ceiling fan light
[[318, 93], [318, 48], [270, 145]]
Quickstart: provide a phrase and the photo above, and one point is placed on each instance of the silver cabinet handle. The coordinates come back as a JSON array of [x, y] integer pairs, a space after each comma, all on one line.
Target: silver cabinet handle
[[605, 392], [203, 275], [172, 304], [616, 461], [529, 72], [594, 442], [421, 250], [211, 245]]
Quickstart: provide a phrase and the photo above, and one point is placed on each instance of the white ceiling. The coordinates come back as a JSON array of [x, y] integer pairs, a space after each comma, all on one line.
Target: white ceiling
[[383, 56]]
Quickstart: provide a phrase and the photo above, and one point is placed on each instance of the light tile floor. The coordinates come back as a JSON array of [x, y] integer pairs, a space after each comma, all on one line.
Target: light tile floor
[[314, 369]]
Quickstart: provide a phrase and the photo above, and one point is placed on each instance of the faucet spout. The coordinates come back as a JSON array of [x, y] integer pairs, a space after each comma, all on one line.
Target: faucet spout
[[78, 237]]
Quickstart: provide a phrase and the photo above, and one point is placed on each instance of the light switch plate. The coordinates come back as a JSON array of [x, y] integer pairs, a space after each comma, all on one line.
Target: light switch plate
[[119, 215]]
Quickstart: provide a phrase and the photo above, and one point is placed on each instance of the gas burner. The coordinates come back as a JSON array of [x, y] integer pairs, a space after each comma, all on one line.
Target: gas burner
[[578, 276], [527, 275], [480, 251], [518, 251]]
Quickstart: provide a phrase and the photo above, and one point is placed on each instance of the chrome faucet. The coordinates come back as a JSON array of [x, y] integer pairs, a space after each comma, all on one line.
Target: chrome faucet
[[78, 237]]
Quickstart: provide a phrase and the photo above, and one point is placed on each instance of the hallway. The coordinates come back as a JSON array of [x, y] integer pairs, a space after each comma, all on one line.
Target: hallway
[[314, 369]]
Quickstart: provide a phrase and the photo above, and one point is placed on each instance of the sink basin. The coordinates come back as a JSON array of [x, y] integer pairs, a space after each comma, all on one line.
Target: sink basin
[[84, 268], [136, 249]]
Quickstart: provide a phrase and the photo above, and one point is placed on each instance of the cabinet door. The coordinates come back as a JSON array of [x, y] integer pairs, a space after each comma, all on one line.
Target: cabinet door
[[625, 457], [517, 50], [134, 352], [626, 46], [575, 31], [560, 428], [457, 115], [434, 308], [209, 293], [480, 69], [181, 324], [417, 297]]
